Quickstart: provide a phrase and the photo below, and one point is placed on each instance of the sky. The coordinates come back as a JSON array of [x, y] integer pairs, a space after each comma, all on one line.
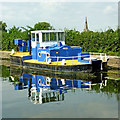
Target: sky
[[61, 15]]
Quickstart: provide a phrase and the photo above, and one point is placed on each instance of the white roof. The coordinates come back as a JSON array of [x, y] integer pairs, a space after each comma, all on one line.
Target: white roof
[[47, 31]]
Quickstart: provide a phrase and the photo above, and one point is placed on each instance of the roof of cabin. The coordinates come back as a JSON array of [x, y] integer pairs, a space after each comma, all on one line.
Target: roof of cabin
[[47, 31], [61, 47]]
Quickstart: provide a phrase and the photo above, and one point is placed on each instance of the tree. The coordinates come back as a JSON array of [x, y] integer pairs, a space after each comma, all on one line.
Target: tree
[[43, 26], [4, 26], [0, 25]]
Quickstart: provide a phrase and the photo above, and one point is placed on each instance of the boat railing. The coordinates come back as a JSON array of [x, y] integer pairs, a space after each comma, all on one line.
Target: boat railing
[[100, 56], [70, 58]]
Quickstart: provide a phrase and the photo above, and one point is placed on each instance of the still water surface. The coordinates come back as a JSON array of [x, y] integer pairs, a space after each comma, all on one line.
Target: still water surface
[[30, 95]]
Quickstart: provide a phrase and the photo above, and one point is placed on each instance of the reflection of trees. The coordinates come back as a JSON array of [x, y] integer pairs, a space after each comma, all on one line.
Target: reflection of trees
[[111, 88], [5, 71]]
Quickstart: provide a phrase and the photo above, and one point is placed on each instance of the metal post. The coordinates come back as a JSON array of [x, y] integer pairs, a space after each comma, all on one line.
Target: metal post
[[29, 36], [17, 48], [46, 58], [105, 57], [35, 96], [101, 66], [101, 56], [35, 38], [60, 36], [40, 96], [105, 82], [57, 60], [49, 37], [63, 36], [90, 58], [72, 60], [29, 88], [57, 36]]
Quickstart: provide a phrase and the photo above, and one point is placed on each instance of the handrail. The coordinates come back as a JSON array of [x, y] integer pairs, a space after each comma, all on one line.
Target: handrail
[[72, 57], [102, 56], [66, 57]]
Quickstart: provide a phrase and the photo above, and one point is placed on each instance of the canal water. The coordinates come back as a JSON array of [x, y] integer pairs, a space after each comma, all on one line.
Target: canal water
[[35, 95]]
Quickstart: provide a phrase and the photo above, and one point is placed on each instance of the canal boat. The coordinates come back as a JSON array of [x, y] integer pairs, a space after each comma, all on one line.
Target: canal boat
[[46, 50]]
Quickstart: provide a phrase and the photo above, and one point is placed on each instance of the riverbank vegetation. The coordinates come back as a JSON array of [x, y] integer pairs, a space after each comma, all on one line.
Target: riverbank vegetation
[[105, 42]]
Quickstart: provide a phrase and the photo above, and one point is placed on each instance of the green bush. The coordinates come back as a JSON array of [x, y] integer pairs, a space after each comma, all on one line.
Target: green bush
[[107, 41]]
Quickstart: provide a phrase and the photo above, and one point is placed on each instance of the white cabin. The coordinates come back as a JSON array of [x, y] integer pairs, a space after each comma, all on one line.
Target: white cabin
[[47, 37]]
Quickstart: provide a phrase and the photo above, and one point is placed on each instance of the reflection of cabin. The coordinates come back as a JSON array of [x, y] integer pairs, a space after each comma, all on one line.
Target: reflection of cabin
[[42, 89], [45, 95], [41, 92]]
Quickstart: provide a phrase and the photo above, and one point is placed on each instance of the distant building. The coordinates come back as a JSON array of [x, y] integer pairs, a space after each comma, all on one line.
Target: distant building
[[86, 25]]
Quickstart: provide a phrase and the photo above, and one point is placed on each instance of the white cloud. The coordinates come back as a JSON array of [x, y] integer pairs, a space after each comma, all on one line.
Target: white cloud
[[60, 15], [108, 9]]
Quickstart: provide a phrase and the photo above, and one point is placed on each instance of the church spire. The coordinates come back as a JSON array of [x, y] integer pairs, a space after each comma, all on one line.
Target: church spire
[[86, 25]]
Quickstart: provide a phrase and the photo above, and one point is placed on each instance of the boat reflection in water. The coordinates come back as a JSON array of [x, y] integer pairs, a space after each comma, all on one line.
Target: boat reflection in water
[[42, 89]]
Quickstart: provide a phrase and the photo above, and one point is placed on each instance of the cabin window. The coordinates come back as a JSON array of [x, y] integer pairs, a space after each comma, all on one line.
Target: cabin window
[[54, 37], [33, 37], [43, 37], [59, 36], [47, 37], [51, 36], [37, 37], [39, 54]]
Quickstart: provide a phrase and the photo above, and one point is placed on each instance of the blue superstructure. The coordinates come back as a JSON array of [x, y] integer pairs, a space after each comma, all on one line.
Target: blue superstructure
[[21, 44], [49, 46], [63, 52]]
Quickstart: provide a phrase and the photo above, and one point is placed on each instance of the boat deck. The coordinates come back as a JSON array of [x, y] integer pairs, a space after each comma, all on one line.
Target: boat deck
[[68, 62], [19, 59], [21, 54]]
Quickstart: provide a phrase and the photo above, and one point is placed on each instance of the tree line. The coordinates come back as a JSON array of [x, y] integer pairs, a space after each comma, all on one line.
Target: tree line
[[90, 41]]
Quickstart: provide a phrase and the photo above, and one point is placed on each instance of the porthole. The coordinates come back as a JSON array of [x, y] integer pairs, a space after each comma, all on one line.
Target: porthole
[[39, 81], [39, 54], [47, 54], [47, 82]]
